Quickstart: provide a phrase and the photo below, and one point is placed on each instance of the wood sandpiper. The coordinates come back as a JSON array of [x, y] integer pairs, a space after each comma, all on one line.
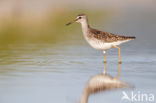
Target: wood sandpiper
[[98, 39]]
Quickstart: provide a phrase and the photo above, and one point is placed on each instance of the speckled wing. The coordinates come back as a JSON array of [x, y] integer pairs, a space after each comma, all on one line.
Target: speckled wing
[[107, 37]]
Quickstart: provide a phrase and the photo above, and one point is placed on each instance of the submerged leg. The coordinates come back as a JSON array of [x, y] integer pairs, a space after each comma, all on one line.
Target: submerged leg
[[104, 52], [119, 70], [119, 52], [104, 71], [118, 76]]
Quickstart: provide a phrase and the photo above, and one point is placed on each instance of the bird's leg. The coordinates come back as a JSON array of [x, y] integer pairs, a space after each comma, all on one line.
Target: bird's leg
[[119, 53], [118, 76], [104, 52], [119, 71], [104, 71]]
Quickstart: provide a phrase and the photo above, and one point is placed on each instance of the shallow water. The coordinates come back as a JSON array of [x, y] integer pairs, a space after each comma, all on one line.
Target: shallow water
[[58, 73], [48, 73]]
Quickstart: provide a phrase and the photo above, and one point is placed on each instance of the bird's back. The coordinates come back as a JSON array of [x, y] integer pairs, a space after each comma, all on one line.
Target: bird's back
[[106, 36]]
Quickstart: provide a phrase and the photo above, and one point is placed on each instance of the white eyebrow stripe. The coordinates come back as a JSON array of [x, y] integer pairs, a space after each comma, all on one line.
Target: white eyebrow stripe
[[78, 17]]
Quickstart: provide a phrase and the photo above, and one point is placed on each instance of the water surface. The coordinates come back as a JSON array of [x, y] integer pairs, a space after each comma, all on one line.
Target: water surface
[[48, 73]]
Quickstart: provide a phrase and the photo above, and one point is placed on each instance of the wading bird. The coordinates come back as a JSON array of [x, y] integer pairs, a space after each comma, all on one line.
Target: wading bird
[[98, 39]]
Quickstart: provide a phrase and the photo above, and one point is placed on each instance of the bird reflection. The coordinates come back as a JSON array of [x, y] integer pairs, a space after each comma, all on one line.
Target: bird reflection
[[102, 82]]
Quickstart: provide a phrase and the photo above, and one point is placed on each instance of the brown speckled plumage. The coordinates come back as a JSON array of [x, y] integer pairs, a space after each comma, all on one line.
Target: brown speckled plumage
[[106, 36], [98, 39]]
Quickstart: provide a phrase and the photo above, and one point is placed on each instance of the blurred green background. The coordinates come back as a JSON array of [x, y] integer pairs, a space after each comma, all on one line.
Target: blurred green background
[[35, 21], [38, 21]]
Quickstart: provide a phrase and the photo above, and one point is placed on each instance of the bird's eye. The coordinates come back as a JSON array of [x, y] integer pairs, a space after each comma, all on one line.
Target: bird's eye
[[80, 17]]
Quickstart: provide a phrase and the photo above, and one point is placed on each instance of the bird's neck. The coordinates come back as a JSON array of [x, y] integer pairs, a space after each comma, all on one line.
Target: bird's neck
[[85, 26]]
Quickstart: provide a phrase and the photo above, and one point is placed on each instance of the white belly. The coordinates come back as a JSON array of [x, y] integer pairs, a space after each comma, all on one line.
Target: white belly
[[97, 44]]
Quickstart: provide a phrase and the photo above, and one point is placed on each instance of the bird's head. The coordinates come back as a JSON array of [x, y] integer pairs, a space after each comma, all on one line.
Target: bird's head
[[79, 19]]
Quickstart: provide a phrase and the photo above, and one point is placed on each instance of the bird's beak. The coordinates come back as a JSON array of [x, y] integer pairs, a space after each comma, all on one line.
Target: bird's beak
[[71, 22]]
